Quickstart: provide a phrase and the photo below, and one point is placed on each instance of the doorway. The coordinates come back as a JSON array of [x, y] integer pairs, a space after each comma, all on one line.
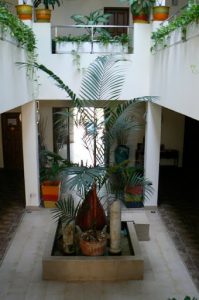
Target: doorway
[[12, 141], [119, 16]]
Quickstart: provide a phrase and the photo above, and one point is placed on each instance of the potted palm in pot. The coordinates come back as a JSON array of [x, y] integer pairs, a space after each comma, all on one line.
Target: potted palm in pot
[[44, 14], [140, 10]]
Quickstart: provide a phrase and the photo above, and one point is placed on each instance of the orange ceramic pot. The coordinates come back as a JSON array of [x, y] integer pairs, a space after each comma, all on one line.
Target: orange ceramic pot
[[160, 13], [43, 15], [24, 12], [93, 248], [142, 17]]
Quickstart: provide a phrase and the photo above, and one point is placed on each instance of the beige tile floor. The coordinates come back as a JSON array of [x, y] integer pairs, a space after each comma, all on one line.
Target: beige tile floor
[[20, 273]]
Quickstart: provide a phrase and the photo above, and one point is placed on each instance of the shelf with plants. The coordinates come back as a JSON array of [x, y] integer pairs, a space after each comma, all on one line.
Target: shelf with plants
[[160, 38], [103, 43]]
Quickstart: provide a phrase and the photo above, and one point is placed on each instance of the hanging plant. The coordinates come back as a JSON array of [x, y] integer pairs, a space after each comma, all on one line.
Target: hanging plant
[[23, 34], [188, 16]]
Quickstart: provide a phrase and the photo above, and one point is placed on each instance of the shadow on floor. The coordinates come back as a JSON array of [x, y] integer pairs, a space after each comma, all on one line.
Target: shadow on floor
[[179, 209], [12, 206]]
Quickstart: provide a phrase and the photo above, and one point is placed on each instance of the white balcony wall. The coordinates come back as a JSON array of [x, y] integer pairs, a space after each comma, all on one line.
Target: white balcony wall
[[175, 74], [137, 66], [15, 89]]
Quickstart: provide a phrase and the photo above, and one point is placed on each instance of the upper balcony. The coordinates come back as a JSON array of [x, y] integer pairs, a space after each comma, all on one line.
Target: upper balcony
[[92, 39]]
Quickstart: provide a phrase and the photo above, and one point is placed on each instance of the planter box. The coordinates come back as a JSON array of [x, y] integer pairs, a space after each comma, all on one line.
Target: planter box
[[86, 268], [50, 193], [110, 48], [68, 47], [86, 47]]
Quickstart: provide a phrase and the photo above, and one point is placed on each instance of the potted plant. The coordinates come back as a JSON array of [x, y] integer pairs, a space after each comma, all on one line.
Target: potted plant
[[140, 10], [136, 187], [106, 43], [51, 165], [44, 14], [160, 12], [96, 17], [24, 11]]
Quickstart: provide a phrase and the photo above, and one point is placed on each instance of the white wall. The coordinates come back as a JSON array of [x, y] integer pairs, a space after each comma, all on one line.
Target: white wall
[[172, 134], [175, 75], [137, 66], [14, 86]]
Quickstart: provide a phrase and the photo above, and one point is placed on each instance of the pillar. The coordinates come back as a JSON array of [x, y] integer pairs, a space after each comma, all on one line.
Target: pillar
[[152, 149], [30, 154]]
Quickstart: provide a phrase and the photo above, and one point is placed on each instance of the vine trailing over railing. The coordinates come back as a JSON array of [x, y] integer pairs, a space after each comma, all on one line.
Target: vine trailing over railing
[[188, 16], [23, 34]]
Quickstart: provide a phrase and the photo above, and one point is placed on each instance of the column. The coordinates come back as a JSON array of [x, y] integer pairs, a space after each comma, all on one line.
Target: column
[[30, 154], [152, 149]]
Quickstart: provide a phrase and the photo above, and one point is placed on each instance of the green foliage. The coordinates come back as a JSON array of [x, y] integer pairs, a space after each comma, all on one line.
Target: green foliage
[[103, 81], [120, 176], [23, 34], [188, 16], [82, 178], [51, 165], [96, 17], [138, 6], [47, 3], [65, 210], [104, 37], [72, 38]]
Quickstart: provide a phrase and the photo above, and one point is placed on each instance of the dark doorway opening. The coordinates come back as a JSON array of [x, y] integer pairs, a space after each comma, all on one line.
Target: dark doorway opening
[[179, 200], [119, 16], [12, 190]]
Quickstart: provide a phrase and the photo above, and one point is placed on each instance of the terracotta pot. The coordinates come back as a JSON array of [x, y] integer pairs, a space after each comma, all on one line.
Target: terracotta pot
[[93, 248], [24, 12], [50, 193], [160, 13], [142, 17], [43, 15]]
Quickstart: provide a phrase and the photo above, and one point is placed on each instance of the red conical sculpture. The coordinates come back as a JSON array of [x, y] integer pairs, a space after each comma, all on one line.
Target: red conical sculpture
[[91, 214]]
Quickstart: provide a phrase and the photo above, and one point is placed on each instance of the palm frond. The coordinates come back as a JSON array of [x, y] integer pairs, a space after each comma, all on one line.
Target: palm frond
[[103, 80], [65, 210], [83, 178]]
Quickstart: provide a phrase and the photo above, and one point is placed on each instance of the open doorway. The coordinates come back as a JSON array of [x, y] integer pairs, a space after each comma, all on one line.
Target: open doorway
[[12, 190]]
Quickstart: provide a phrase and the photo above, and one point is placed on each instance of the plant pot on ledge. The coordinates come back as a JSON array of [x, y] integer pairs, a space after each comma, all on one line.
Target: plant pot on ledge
[[141, 17], [24, 12], [43, 15], [160, 13]]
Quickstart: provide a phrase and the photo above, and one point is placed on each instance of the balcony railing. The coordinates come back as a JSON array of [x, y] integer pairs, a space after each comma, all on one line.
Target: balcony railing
[[94, 36]]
